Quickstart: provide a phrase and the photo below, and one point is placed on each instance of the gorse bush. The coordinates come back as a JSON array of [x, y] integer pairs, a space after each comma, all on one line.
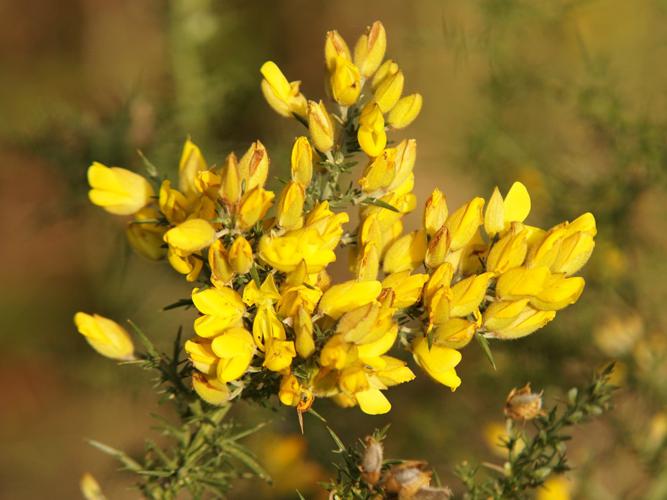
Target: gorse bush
[[273, 319]]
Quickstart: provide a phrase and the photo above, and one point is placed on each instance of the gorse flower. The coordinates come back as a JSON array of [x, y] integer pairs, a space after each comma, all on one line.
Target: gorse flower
[[271, 318]]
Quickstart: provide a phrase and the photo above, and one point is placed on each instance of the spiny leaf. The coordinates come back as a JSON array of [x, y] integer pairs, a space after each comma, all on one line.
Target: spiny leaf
[[380, 203], [486, 348], [118, 454], [152, 351]]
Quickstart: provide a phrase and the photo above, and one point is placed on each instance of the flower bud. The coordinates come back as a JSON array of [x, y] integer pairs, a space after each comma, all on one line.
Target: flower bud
[[573, 253], [508, 252], [145, 242], [441, 277], [464, 222], [335, 47], [405, 156], [527, 322], [368, 263], [379, 172], [210, 389], [321, 126], [190, 236], [521, 282], [435, 212], [290, 206], [302, 161], [118, 190], [192, 162], [501, 314], [221, 308], [303, 331], [218, 261], [371, 135], [347, 296], [370, 49], [501, 212], [455, 333], [240, 255], [90, 488], [189, 265], [235, 348], [406, 253], [406, 286], [229, 180], [345, 82], [468, 294], [253, 207], [284, 97], [523, 404], [438, 248], [253, 166], [405, 111], [558, 293], [201, 355], [105, 336], [389, 92], [173, 204], [386, 69], [438, 362]]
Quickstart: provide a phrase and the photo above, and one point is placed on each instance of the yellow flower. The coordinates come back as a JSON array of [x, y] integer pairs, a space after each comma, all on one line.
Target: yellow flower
[[522, 282], [240, 255], [190, 236], [555, 488], [455, 333], [173, 204], [404, 159], [279, 355], [290, 206], [218, 261], [380, 171], [201, 355], [405, 111], [235, 348], [441, 277], [345, 82], [438, 362], [302, 161], [468, 293], [210, 389], [284, 97], [406, 253], [502, 313], [145, 238], [389, 91], [253, 167], [190, 265], [435, 212], [347, 296], [286, 252], [335, 47], [303, 331], [386, 69], [105, 336], [368, 263], [337, 353], [266, 295], [230, 182], [321, 126], [222, 308], [509, 251], [558, 293], [192, 162], [438, 248], [527, 322], [373, 402], [407, 287], [371, 135], [464, 222], [253, 207], [290, 390], [370, 48], [118, 190], [501, 212], [266, 327]]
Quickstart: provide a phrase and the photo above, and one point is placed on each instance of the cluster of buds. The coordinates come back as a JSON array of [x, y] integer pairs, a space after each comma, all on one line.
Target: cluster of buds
[[270, 314]]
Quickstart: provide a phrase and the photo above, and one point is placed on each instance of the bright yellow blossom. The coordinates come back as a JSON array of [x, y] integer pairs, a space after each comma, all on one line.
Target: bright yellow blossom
[[235, 348], [284, 97], [210, 389], [405, 111], [347, 296], [118, 190], [240, 255], [438, 361], [190, 236], [370, 49], [105, 336], [221, 308], [321, 126]]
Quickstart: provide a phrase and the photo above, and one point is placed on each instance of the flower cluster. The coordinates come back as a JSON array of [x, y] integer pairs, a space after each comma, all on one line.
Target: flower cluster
[[273, 319]]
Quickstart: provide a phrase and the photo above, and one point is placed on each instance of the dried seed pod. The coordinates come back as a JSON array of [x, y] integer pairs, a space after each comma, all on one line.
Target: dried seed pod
[[371, 463], [522, 404]]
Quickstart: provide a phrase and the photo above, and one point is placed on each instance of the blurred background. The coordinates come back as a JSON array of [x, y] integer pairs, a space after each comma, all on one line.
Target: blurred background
[[568, 96]]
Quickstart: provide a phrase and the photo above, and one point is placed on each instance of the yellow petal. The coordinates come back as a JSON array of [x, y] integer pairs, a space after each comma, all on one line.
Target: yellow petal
[[517, 203], [190, 236], [373, 402]]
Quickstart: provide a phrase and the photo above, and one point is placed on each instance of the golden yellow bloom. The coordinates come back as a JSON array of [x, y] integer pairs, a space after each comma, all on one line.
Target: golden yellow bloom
[[347, 296], [321, 126], [192, 162], [146, 238], [284, 97], [290, 206], [173, 204], [266, 295], [290, 390], [464, 223], [438, 362], [266, 327], [386, 69], [230, 182], [407, 287], [337, 353], [279, 355], [435, 212], [370, 49], [404, 159], [368, 263], [500, 212], [302, 161], [221, 308], [555, 488], [455, 333], [501, 314], [441, 277], [438, 248], [240, 255], [118, 190], [509, 251], [105, 336], [379, 172], [389, 91], [294, 297], [218, 261], [190, 236], [235, 348], [253, 167], [406, 253], [190, 265], [201, 355], [371, 135], [527, 322], [253, 207], [303, 330], [558, 293], [405, 111], [522, 282], [345, 82], [335, 47], [468, 293], [285, 253], [210, 389]]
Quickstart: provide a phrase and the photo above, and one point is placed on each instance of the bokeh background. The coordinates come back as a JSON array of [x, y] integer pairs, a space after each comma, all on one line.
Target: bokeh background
[[568, 96]]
